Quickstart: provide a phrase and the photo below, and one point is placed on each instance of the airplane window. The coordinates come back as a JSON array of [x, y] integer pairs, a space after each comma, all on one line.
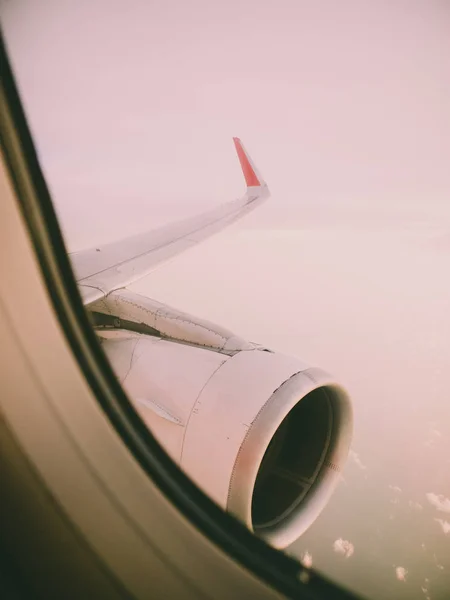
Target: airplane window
[[225, 351]]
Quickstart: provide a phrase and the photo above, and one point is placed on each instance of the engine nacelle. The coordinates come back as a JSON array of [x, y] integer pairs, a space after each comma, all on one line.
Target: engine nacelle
[[263, 434]]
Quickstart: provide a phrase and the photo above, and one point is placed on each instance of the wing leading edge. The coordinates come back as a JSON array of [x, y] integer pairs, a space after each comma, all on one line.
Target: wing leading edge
[[101, 270]]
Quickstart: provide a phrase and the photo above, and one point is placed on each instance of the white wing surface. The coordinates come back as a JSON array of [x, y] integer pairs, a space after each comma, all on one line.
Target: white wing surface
[[101, 270]]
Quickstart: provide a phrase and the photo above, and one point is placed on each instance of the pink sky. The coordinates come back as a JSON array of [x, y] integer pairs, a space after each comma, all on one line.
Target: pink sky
[[134, 104]]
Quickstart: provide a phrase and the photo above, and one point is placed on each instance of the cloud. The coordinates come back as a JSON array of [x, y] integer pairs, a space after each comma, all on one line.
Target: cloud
[[444, 524], [395, 489], [306, 559], [435, 435], [425, 591], [439, 501], [343, 547], [401, 573], [415, 505], [355, 458]]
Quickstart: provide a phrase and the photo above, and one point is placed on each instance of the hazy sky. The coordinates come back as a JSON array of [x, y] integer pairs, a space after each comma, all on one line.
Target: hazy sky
[[134, 105]]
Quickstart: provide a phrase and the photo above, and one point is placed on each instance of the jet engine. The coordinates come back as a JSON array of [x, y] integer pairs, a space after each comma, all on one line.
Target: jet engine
[[263, 434]]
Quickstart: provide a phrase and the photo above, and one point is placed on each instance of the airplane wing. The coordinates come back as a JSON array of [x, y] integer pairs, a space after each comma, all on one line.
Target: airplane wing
[[101, 270]]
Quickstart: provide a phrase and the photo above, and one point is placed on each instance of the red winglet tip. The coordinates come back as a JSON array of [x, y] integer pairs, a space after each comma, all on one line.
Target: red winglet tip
[[250, 176]]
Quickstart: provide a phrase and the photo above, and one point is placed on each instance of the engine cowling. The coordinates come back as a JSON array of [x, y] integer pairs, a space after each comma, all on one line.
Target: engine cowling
[[263, 434]]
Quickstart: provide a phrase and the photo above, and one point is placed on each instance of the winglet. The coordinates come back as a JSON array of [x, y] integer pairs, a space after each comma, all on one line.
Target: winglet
[[252, 178]]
